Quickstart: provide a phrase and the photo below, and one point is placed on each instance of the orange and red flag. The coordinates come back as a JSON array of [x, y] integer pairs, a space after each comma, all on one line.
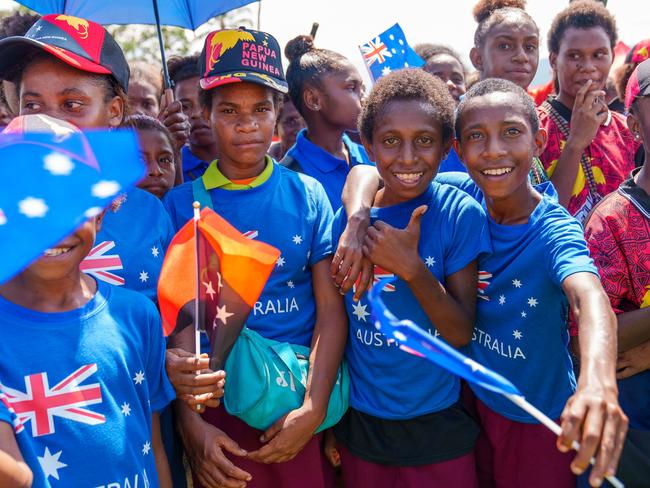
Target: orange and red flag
[[232, 271]]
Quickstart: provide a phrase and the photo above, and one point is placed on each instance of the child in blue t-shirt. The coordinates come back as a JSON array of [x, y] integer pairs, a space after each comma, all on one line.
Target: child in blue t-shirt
[[16, 454], [82, 365], [326, 89], [405, 425], [298, 305]]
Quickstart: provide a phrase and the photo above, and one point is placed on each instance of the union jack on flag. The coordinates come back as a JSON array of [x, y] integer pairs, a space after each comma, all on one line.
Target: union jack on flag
[[375, 51], [483, 283], [380, 274], [67, 399], [99, 264]]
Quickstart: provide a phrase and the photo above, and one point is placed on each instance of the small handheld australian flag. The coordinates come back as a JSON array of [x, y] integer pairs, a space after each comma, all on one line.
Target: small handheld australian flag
[[388, 52]]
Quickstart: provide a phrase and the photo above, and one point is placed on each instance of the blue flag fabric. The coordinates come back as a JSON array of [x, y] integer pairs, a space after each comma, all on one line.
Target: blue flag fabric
[[388, 52], [414, 340], [52, 182]]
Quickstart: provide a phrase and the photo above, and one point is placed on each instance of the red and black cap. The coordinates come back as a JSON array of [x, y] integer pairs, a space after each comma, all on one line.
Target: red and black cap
[[639, 52], [638, 84], [80, 43], [237, 55]]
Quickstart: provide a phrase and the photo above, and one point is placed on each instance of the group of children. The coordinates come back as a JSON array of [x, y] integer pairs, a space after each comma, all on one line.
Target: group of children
[[518, 234]]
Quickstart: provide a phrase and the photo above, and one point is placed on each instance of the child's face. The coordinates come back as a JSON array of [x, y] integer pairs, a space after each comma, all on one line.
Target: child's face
[[63, 260], [290, 122], [243, 120], [53, 88], [584, 54], [497, 144], [449, 70], [143, 98], [340, 97], [187, 92], [158, 157], [407, 147], [511, 52]]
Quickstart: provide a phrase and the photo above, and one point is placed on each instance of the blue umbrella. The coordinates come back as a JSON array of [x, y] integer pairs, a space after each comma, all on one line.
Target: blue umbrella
[[189, 14]]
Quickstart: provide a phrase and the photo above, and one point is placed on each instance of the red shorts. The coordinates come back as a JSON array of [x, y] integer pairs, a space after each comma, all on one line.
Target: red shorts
[[513, 454], [457, 473], [308, 469]]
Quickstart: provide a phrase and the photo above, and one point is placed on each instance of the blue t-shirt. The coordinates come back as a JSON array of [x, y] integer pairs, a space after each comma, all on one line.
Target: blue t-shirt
[[452, 163], [193, 167], [85, 383], [521, 326], [385, 381], [131, 244], [331, 172], [290, 212]]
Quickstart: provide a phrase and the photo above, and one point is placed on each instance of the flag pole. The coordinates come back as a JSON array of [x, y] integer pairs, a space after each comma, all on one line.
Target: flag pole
[[521, 402], [197, 328]]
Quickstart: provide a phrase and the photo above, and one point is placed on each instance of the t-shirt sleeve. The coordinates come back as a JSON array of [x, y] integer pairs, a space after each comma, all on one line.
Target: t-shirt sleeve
[[465, 245], [6, 415], [161, 391], [168, 202], [338, 226], [321, 244]]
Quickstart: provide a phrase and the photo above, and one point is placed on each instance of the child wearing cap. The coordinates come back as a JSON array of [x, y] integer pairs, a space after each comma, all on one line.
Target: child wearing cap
[[89, 388], [590, 150], [241, 81], [72, 69]]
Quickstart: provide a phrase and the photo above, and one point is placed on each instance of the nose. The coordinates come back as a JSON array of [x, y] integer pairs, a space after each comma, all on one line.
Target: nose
[[493, 148], [408, 154], [247, 123], [153, 168], [520, 55]]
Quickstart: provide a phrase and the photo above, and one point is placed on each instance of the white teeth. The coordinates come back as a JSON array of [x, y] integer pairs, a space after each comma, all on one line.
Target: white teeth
[[496, 171], [57, 251], [408, 177]]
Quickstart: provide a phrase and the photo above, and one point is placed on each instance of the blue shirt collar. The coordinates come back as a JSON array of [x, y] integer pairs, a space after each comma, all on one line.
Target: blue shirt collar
[[308, 151]]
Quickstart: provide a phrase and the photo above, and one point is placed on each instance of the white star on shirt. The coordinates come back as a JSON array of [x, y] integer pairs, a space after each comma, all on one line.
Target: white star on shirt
[[430, 261], [516, 283], [360, 311], [290, 284], [523, 314], [517, 334], [297, 239], [146, 447], [280, 262], [155, 251], [126, 409], [502, 299], [209, 290], [33, 207], [223, 314], [144, 276], [139, 377], [50, 463], [532, 302], [385, 71]]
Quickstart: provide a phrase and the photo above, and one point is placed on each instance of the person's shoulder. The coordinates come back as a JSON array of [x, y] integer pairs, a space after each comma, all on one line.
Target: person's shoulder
[[178, 192], [613, 210], [122, 300], [294, 179], [456, 180]]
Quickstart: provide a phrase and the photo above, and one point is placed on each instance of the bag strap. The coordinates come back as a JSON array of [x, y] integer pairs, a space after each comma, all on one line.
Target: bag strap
[[289, 357], [563, 125], [200, 193]]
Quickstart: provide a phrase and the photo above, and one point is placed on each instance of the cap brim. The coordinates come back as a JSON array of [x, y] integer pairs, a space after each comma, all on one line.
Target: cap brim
[[13, 49], [241, 76]]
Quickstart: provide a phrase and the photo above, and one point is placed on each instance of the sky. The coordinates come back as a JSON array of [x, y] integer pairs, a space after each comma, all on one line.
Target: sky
[[344, 24]]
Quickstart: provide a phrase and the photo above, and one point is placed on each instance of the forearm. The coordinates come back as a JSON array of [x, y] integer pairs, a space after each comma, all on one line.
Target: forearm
[[451, 320], [633, 328], [162, 465], [184, 339], [359, 191], [13, 469], [566, 171]]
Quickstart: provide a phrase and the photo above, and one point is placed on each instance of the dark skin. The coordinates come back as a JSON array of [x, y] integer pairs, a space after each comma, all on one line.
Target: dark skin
[[289, 123], [202, 142], [510, 51], [582, 65], [13, 469], [158, 156], [448, 69]]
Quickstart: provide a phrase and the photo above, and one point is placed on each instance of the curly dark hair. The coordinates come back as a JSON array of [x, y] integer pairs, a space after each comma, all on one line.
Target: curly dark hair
[[489, 13], [427, 51], [17, 24], [581, 14], [146, 122], [183, 67], [407, 85], [307, 64], [498, 85]]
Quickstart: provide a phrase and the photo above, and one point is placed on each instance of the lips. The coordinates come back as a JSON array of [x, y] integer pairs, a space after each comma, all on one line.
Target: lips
[[409, 178], [56, 251], [497, 171]]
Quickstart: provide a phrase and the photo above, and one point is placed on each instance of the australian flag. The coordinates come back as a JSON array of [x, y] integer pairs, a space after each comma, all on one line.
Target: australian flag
[[388, 52]]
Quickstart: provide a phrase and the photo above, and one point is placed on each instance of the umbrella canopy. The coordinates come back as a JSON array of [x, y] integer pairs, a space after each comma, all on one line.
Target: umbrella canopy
[[189, 14]]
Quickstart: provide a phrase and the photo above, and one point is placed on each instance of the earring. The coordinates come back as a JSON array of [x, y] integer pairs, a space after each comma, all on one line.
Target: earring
[[637, 136]]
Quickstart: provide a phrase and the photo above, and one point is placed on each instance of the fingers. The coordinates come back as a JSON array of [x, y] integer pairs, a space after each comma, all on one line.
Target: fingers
[[364, 281], [231, 446], [178, 360], [416, 217], [580, 96], [607, 448], [352, 276], [571, 422], [262, 455], [165, 100], [592, 431], [272, 431]]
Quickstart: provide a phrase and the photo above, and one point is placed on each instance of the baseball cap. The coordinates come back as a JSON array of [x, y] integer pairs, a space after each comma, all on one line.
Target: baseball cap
[[80, 43], [639, 84], [236, 55], [639, 52]]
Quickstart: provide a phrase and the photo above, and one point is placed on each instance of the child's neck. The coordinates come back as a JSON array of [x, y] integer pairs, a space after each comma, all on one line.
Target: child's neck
[[327, 138], [516, 208], [61, 295], [204, 153], [642, 178], [387, 198], [234, 171], [565, 100]]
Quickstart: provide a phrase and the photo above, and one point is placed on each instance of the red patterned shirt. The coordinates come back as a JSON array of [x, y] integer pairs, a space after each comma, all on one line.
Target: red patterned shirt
[[611, 155]]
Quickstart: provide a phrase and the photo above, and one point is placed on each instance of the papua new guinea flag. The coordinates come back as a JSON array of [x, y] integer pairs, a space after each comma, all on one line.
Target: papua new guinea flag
[[231, 273]]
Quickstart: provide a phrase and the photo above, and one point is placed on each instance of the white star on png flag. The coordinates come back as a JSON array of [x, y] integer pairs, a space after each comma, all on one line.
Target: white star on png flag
[[532, 302], [297, 239], [146, 447], [50, 463], [58, 164], [139, 377], [223, 314], [280, 262], [33, 207], [144, 276], [126, 409], [360, 311], [155, 251], [105, 189], [209, 290], [517, 334], [516, 283], [502, 299]]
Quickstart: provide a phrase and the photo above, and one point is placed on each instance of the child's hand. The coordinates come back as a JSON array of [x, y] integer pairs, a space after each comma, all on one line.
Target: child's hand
[[349, 267], [589, 113], [194, 383], [633, 361], [396, 250], [173, 117], [204, 446], [286, 438], [330, 450]]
